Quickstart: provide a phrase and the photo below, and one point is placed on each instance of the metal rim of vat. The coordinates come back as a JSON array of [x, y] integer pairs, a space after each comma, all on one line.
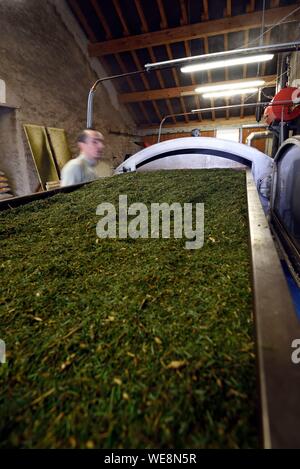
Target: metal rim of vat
[[276, 326]]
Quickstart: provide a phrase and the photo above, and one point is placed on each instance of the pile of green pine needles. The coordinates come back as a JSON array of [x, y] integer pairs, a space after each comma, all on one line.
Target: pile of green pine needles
[[123, 343]]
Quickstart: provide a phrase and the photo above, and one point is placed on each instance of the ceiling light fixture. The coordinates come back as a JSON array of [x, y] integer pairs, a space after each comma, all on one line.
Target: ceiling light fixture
[[229, 86], [226, 63], [229, 93], [208, 58]]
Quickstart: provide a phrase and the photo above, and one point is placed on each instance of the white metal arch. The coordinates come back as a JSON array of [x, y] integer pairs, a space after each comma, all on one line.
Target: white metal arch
[[180, 152]]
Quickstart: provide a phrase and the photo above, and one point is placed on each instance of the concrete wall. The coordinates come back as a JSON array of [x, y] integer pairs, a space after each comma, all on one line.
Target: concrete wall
[[47, 76]]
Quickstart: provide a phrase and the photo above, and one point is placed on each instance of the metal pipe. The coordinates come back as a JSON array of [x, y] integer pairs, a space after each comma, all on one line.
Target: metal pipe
[[166, 117], [258, 135], [216, 108], [160, 127], [89, 116]]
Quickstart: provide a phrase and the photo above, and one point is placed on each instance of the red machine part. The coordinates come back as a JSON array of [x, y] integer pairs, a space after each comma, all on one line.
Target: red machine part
[[286, 112]]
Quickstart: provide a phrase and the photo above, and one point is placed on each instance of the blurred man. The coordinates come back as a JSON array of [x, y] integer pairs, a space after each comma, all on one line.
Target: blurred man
[[82, 168]]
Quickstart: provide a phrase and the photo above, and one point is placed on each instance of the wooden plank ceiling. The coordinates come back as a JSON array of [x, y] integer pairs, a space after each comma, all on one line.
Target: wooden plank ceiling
[[127, 34]]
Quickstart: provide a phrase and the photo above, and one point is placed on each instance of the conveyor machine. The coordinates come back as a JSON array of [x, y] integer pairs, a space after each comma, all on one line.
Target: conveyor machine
[[273, 190]]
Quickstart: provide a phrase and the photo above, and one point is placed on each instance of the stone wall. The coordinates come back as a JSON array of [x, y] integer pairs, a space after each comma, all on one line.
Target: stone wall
[[47, 77]]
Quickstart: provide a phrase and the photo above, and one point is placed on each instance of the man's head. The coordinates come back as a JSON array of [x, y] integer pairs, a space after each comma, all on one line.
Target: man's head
[[91, 144]]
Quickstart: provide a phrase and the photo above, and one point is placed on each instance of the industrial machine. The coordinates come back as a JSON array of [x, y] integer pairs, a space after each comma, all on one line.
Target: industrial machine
[[273, 190], [276, 279], [283, 118], [284, 203]]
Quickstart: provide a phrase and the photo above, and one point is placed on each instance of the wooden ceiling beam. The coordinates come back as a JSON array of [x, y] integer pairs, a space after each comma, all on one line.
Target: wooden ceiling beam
[[82, 20], [212, 101], [102, 19], [197, 97], [184, 16], [176, 92], [184, 21], [145, 82], [108, 33], [226, 68], [232, 121], [145, 29], [140, 11], [164, 25], [251, 6], [246, 41], [192, 31], [228, 10], [130, 84], [134, 54], [176, 79], [267, 41], [121, 17], [205, 10], [274, 3]]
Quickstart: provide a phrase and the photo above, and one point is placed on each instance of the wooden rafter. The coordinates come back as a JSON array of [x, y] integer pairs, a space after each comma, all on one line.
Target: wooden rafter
[[184, 17], [267, 40], [130, 84], [178, 91], [102, 19], [246, 41], [145, 82], [140, 11], [184, 21], [212, 101], [192, 31], [228, 8], [164, 24], [176, 79], [251, 6], [206, 122], [145, 29], [92, 37], [134, 54], [121, 17], [166, 36], [107, 30], [205, 10], [197, 98], [88, 30], [274, 3], [226, 70]]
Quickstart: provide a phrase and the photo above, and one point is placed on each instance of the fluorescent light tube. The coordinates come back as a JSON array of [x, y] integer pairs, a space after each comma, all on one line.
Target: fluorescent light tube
[[228, 93], [226, 63], [229, 86]]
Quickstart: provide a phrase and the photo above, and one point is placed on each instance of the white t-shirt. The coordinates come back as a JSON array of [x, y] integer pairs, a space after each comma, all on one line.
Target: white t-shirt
[[77, 171]]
